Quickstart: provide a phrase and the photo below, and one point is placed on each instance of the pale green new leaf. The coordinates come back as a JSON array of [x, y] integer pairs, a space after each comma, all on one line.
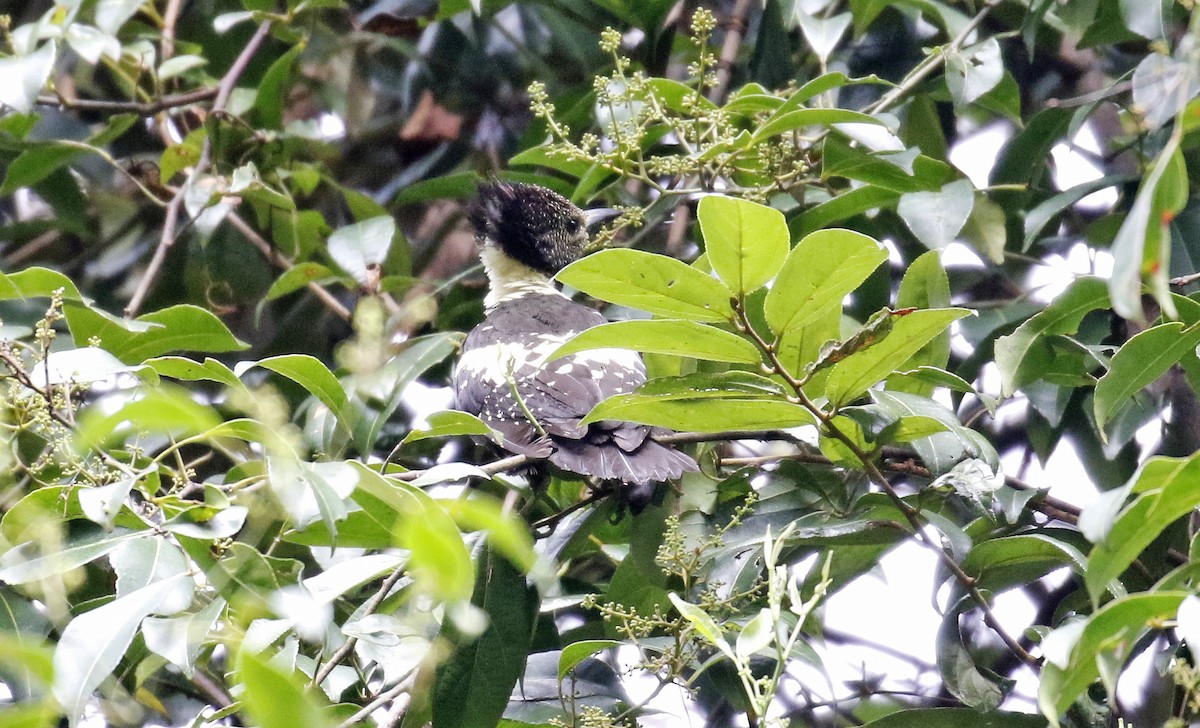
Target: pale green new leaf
[[649, 282], [679, 338], [745, 242], [703, 624], [819, 272], [853, 375]]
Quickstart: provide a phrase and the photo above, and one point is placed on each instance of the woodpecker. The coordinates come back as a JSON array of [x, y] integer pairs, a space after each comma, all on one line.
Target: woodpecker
[[527, 234]]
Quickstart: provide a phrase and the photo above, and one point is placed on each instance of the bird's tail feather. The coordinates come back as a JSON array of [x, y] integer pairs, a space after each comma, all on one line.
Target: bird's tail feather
[[650, 463]]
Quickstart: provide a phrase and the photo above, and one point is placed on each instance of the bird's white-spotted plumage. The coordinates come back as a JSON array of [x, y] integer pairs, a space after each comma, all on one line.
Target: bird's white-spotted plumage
[[505, 375]]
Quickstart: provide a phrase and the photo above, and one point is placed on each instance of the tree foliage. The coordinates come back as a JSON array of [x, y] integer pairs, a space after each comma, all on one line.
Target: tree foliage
[[234, 271]]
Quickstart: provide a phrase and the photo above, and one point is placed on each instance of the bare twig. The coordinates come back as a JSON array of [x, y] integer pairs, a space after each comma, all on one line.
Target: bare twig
[[405, 683], [1187, 280], [141, 108], [167, 239], [369, 608], [735, 31], [279, 260]]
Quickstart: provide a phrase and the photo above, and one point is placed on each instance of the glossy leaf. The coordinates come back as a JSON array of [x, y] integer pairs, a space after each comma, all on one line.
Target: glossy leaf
[[277, 699], [577, 652], [678, 338], [1061, 317], [472, 687], [653, 283], [1164, 490], [935, 218], [852, 376], [363, 246], [1140, 361], [819, 272], [1112, 630], [92, 644], [704, 403]]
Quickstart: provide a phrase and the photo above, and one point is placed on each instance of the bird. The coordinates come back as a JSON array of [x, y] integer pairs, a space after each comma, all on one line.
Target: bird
[[526, 234]]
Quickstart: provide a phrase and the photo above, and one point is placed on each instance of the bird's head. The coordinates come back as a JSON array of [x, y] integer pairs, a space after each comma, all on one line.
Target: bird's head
[[532, 225]]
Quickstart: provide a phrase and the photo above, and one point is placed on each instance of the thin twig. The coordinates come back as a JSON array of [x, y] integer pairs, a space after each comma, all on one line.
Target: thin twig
[[279, 260], [141, 108], [1187, 280], [369, 608], [735, 30], [380, 700], [876, 476], [167, 239], [933, 62]]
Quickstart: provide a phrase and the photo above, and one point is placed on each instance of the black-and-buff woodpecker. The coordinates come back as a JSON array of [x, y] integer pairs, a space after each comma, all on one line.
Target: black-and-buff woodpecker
[[527, 234]]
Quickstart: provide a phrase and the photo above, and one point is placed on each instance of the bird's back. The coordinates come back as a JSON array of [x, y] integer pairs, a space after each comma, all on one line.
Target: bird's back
[[509, 350]]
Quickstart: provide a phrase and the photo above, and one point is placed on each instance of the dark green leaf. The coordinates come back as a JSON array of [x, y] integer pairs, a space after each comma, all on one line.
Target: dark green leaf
[[472, 688]]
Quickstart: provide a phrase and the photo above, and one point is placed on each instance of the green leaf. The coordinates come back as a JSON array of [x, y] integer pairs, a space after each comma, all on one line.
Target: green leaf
[[164, 410], [758, 633], [451, 423], [649, 282], [1000, 563], [188, 370], [178, 328], [678, 338], [507, 533], [844, 206], [935, 218], [36, 164], [800, 118], [297, 277], [112, 14], [92, 644], [273, 87], [25, 76], [316, 378], [1166, 491], [745, 241], [472, 687], [1110, 633], [418, 355], [1040, 216], [852, 376], [179, 65], [439, 560], [962, 678], [703, 403], [974, 71], [179, 639], [363, 246], [819, 272], [925, 285], [274, 698], [703, 624], [1139, 362], [577, 652], [30, 561], [1062, 317], [1142, 248]]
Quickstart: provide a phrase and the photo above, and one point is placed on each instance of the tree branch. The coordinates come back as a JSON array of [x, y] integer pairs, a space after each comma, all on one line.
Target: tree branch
[[369, 608], [279, 260], [141, 108], [912, 515], [167, 239]]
